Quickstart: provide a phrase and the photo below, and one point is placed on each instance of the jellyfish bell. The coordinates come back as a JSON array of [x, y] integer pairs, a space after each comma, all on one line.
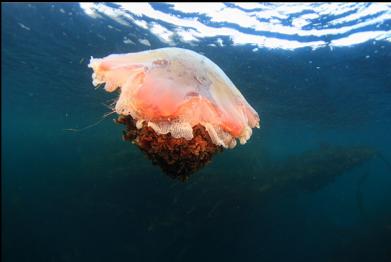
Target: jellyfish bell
[[178, 106]]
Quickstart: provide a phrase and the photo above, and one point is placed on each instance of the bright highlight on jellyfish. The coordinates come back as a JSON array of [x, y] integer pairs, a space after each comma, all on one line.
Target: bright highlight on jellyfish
[[178, 106]]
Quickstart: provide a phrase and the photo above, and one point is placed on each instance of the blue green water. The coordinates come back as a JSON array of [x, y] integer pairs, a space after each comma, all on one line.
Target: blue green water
[[89, 196]]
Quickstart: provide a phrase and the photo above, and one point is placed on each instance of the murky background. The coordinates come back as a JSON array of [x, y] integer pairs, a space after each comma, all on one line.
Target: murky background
[[312, 184]]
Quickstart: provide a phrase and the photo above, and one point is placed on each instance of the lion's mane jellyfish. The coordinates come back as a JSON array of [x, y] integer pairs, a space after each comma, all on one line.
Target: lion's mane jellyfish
[[178, 106]]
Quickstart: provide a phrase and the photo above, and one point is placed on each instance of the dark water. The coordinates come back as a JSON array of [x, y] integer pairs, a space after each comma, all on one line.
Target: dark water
[[313, 184]]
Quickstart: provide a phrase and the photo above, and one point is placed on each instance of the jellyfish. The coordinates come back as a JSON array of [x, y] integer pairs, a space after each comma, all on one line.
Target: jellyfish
[[177, 106]]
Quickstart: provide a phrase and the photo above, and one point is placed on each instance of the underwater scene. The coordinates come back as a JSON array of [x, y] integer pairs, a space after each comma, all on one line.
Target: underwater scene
[[196, 132]]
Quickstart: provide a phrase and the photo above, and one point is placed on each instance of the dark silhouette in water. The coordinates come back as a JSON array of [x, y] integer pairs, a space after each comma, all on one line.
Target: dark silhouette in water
[[315, 168], [310, 170]]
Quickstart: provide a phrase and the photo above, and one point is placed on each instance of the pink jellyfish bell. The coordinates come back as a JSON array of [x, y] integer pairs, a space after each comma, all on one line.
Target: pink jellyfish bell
[[178, 106]]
